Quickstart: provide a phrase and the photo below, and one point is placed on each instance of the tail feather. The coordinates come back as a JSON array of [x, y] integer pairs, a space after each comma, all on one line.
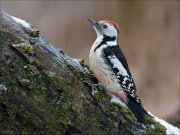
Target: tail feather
[[138, 110]]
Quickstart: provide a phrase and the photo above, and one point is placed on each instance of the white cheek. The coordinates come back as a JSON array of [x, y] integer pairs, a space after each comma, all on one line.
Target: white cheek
[[110, 32]]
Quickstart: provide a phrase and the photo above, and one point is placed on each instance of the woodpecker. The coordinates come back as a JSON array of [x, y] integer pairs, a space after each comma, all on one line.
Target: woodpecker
[[110, 67]]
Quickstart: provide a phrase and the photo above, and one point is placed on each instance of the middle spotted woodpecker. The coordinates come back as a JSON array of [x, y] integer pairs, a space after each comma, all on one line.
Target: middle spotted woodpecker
[[109, 65]]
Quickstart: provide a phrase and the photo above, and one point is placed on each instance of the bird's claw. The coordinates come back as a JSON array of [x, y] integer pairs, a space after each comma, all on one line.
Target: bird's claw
[[94, 87]]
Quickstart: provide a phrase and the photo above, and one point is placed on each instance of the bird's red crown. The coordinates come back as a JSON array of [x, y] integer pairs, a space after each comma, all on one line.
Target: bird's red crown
[[112, 23]]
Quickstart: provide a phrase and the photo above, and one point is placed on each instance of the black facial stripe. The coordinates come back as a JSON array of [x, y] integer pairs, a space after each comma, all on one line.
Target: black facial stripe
[[106, 54], [105, 40]]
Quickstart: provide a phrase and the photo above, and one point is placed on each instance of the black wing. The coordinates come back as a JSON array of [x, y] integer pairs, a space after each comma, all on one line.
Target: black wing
[[126, 82]]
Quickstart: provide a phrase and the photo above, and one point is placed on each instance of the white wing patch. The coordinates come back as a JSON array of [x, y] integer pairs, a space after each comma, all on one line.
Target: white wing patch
[[124, 80], [117, 64]]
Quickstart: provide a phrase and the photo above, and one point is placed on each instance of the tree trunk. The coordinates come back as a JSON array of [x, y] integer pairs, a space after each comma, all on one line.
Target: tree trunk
[[45, 91]]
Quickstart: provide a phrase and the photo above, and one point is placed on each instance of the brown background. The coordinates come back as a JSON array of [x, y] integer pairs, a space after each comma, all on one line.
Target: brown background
[[149, 37]]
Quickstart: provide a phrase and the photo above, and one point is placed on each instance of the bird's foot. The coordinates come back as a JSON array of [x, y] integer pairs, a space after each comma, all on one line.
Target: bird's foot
[[94, 87]]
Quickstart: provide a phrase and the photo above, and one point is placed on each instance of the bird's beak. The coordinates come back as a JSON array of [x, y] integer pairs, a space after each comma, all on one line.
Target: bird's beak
[[94, 23]]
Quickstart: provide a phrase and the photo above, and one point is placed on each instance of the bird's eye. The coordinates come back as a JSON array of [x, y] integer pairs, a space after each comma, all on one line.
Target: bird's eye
[[104, 26]]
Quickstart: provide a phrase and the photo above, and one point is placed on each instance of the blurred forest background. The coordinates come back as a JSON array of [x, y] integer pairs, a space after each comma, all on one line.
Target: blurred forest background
[[149, 37]]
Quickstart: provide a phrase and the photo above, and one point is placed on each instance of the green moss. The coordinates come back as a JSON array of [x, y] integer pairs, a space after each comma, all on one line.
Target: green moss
[[61, 113], [102, 98], [76, 71], [26, 82], [28, 77], [42, 89], [27, 48], [123, 110], [82, 62], [114, 108], [82, 117], [55, 80], [31, 78], [34, 32], [21, 116], [100, 94], [24, 48], [160, 129], [50, 129], [6, 78]]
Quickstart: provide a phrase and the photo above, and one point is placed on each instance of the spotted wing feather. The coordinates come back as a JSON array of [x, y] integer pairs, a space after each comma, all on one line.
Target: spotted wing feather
[[121, 70]]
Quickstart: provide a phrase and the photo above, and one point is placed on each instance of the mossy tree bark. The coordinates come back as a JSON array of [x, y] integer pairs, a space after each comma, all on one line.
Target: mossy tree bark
[[42, 90]]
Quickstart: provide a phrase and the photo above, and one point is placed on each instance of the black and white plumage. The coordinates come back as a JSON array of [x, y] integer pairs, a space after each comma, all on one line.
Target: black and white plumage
[[109, 65]]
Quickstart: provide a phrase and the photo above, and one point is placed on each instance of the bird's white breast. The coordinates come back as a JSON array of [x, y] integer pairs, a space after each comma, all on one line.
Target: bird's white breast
[[101, 70]]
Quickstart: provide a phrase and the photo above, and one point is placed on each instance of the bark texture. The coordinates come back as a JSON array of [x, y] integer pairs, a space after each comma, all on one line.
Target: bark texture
[[45, 91]]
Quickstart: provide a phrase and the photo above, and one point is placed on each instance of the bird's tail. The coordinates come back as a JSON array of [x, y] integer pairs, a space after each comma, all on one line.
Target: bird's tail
[[138, 110]]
